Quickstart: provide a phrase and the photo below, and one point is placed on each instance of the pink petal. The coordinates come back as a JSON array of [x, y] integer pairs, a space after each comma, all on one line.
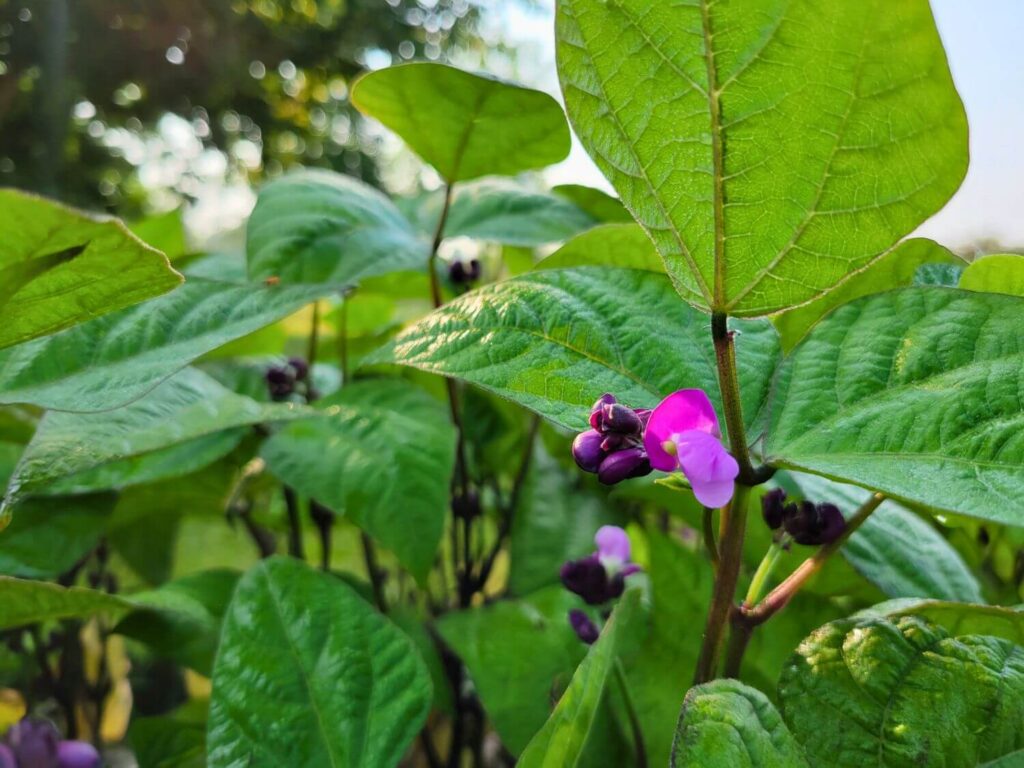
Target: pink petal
[[682, 411], [612, 543], [710, 469]]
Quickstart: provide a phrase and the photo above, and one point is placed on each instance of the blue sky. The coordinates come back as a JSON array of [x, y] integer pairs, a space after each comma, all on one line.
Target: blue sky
[[985, 43]]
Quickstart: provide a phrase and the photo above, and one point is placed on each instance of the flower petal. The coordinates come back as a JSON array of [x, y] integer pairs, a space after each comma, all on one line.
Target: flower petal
[[687, 409], [710, 468], [612, 544]]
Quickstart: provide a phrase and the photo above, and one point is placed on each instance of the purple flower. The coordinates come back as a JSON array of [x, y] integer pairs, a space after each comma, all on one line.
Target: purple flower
[[585, 629], [587, 450], [622, 465], [77, 754], [34, 743], [601, 576], [7, 757], [613, 447], [682, 433]]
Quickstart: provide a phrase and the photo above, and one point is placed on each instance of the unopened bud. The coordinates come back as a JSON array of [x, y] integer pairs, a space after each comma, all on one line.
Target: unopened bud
[[773, 505], [585, 629], [619, 419], [622, 465], [588, 579], [587, 450], [77, 754]]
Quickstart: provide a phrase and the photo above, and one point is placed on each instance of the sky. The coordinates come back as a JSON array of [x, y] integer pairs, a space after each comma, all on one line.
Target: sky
[[984, 41]]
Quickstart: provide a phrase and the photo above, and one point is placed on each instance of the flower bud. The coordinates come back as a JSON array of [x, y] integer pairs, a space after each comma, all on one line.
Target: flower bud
[[300, 368], [77, 754], [622, 465], [588, 579], [7, 757], [587, 450], [280, 382], [832, 522], [463, 272], [619, 419], [585, 629], [595, 410], [34, 743], [773, 505], [466, 507], [810, 524]]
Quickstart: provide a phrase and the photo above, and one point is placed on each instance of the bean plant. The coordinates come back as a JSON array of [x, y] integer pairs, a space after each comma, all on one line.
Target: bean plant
[[722, 470]]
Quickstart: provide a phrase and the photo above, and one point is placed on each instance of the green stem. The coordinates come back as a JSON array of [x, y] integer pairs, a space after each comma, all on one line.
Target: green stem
[[709, 536], [634, 719], [763, 573]]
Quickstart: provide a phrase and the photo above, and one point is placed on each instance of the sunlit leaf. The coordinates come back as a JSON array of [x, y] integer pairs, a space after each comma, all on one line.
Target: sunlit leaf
[[998, 273]]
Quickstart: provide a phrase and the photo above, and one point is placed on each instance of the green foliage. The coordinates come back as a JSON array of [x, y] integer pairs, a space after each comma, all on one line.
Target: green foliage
[[998, 273], [59, 267], [768, 148], [609, 245], [556, 340], [912, 392], [309, 674], [957, 618], [465, 125], [381, 453], [728, 724], [29, 602], [113, 360], [903, 692]]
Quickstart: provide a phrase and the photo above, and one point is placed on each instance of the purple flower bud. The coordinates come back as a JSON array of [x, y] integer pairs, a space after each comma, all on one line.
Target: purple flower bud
[[622, 465], [34, 743], [588, 579], [618, 419], [280, 382], [832, 522], [77, 754], [466, 507], [587, 450], [773, 507], [300, 368], [461, 272], [810, 524], [595, 411], [7, 757], [585, 629], [614, 443]]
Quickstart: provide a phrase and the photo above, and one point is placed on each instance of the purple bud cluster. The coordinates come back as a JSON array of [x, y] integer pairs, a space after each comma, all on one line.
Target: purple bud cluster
[[284, 380], [808, 523], [464, 272], [613, 447], [37, 744], [598, 578]]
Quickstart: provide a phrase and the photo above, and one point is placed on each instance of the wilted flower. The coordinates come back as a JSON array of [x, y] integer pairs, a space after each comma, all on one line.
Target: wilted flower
[[601, 577], [585, 629], [808, 523], [682, 432], [613, 447]]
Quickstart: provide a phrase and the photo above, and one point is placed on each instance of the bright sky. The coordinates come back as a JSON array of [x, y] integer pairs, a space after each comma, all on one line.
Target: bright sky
[[985, 43]]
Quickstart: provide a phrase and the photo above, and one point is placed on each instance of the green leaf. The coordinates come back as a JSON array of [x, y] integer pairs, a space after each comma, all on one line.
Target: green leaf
[[24, 602], [895, 549], [188, 406], [1011, 760], [166, 742], [563, 739], [465, 125], [308, 674], [956, 618], [516, 687], [182, 619], [163, 231], [47, 537], [607, 245], [998, 273], [599, 205], [769, 148], [382, 453], [554, 341], [947, 275], [115, 359], [915, 393], [893, 269], [59, 266], [317, 226], [504, 212], [899, 693], [726, 724]]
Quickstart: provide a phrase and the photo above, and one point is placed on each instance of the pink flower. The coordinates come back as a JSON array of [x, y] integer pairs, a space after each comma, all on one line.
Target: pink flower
[[683, 434]]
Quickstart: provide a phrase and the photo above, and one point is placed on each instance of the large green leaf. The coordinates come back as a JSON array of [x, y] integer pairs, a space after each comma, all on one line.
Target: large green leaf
[[24, 602], [322, 227], [308, 674], [894, 269], [165, 742], [115, 359], [600, 205], [47, 537], [769, 147], [957, 618], [915, 392], [59, 267], [726, 724], [185, 407], [381, 453], [554, 341], [895, 549], [465, 125], [998, 273], [898, 693], [608, 245], [516, 688], [562, 742]]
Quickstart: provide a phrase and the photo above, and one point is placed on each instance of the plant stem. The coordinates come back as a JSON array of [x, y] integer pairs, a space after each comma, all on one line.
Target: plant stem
[[783, 593], [374, 572], [763, 573], [728, 382], [291, 502], [435, 283], [634, 720], [314, 337], [323, 519], [733, 524], [709, 536], [342, 340]]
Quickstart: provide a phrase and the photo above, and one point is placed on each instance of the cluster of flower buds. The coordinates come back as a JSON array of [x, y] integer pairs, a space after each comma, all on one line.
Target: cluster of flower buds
[[37, 744], [613, 446], [464, 271], [284, 380], [808, 523], [599, 577]]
